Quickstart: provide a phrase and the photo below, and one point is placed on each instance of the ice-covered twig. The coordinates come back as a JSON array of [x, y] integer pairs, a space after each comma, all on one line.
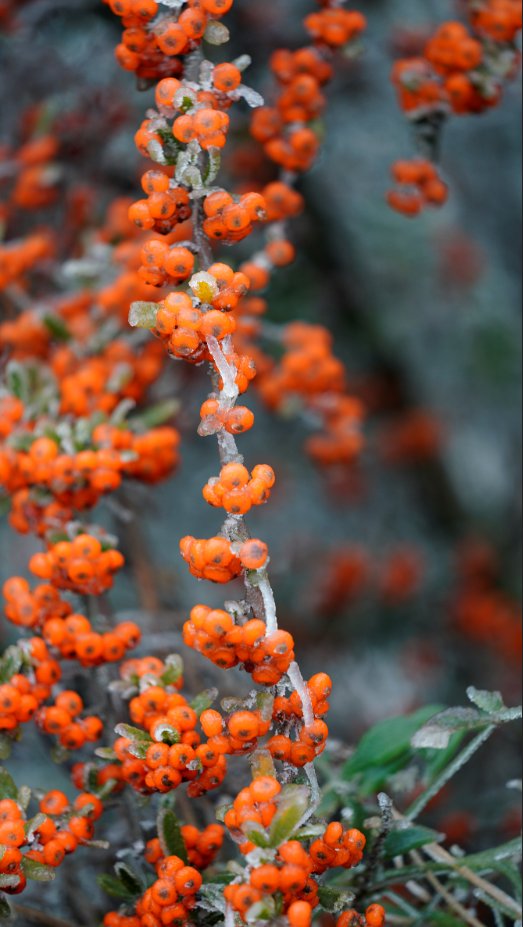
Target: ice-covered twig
[[297, 680], [229, 392], [269, 604]]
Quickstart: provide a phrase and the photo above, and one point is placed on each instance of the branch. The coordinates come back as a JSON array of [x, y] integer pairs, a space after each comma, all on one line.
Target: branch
[[454, 905], [38, 916]]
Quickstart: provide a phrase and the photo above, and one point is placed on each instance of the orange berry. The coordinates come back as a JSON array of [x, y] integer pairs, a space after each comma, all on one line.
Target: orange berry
[[299, 914], [244, 725], [253, 554], [226, 77]]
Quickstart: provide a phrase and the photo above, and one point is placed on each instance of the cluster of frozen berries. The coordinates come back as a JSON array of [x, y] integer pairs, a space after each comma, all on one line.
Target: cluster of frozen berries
[[151, 46], [419, 186], [202, 846], [289, 879], [79, 480], [169, 900], [81, 565], [236, 491], [63, 719], [167, 206], [213, 633], [285, 129], [61, 828], [461, 70], [228, 219]]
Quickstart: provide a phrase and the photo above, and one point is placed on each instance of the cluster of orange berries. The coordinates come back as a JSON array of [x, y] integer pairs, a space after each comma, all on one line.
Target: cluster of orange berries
[[63, 719], [184, 327], [335, 27], [60, 831], [454, 72], [288, 713], [202, 846], [152, 49], [374, 917], [214, 559], [228, 220], [169, 900], [215, 418], [308, 371], [210, 559], [81, 565], [206, 126], [292, 874], [284, 129], [461, 72], [74, 638], [420, 184], [72, 635], [19, 701], [499, 20], [350, 569], [483, 611], [25, 691], [18, 256], [167, 205], [79, 480], [236, 491], [175, 752], [266, 657]]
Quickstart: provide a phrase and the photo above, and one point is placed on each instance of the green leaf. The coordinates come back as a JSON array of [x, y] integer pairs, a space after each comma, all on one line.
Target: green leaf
[[256, 833], [17, 380], [5, 747], [487, 701], [204, 700], [334, 900], [37, 871], [133, 733], [8, 788], [57, 327], [105, 753], [167, 733], [129, 878], [437, 760], [174, 671], [34, 823], [139, 749], [264, 910], [441, 919], [170, 834], [437, 732], [387, 741], [11, 663], [24, 796], [157, 414], [292, 805], [400, 842], [489, 859], [114, 887], [143, 315], [5, 909]]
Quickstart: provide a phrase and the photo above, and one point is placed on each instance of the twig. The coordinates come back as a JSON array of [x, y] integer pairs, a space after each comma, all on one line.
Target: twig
[[440, 855], [41, 917], [453, 903], [387, 818]]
